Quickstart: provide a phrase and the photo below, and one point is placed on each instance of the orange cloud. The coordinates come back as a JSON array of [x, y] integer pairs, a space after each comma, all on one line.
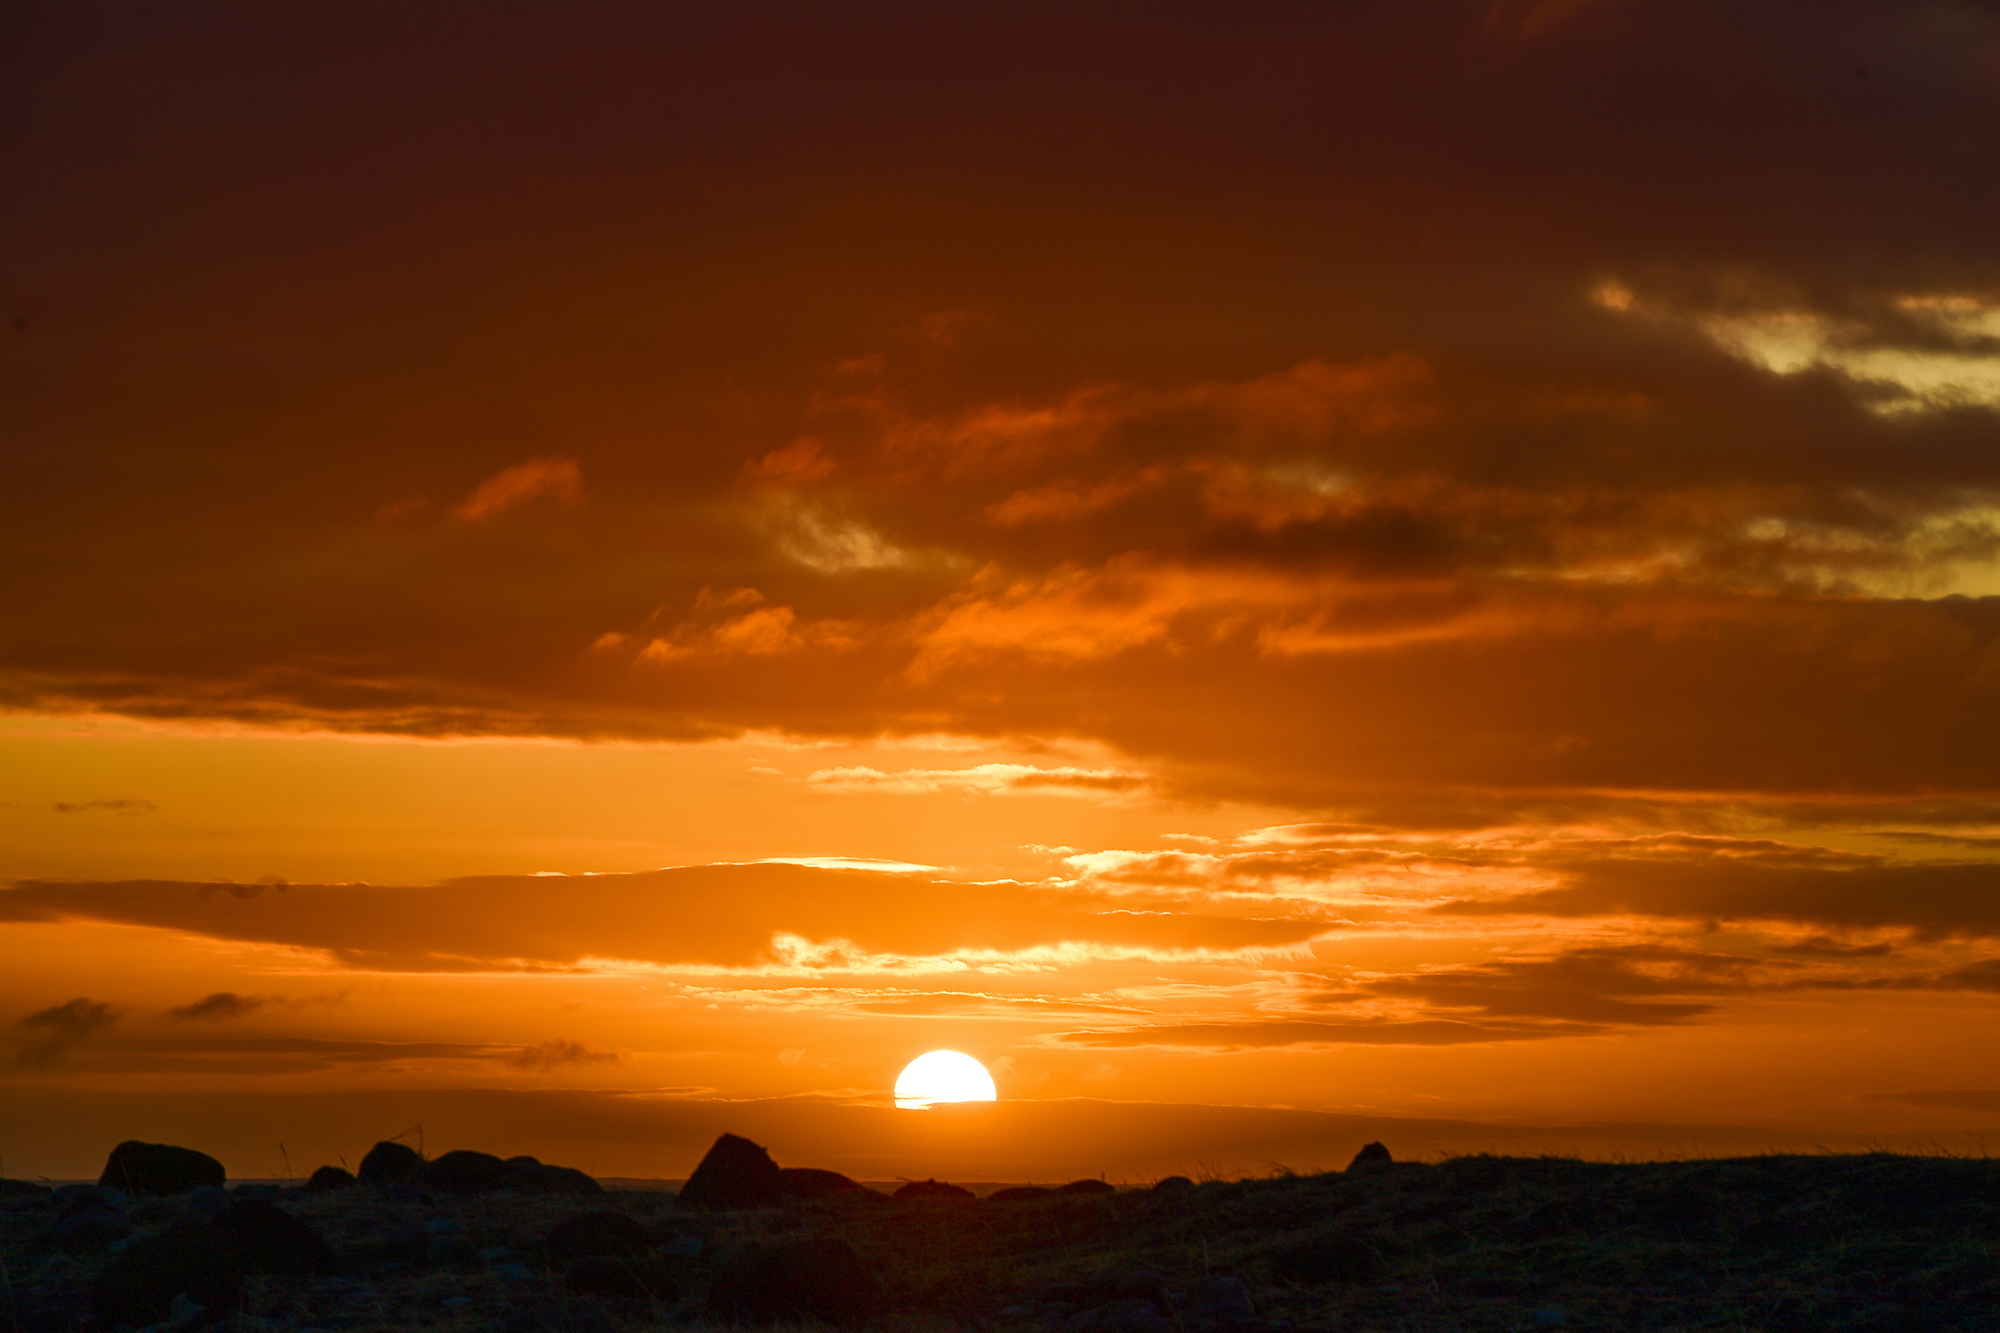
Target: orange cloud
[[556, 478]]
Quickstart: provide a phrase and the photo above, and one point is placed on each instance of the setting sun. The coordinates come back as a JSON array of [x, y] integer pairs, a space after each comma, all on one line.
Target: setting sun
[[943, 1076]]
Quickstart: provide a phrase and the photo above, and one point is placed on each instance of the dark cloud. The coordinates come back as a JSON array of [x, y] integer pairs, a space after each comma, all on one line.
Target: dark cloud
[[722, 916], [555, 1054], [116, 807], [1975, 1099], [1932, 901], [1619, 984], [279, 1055], [220, 1005], [1371, 410], [1305, 1032], [55, 1030]]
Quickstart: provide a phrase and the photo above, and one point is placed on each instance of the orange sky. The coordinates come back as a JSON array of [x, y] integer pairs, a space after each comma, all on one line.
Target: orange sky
[[1267, 574]]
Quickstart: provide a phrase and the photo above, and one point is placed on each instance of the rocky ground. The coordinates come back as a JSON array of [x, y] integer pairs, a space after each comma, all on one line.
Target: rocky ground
[[1875, 1242]]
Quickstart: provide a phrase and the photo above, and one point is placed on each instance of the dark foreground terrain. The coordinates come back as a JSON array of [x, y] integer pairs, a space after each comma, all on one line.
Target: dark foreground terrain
[[1874, 1242]]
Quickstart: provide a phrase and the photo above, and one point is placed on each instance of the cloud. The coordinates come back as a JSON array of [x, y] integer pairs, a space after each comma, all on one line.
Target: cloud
[[220, 1005], [1934, 901], [62, 1027], [719, 916], [1542, 483], [288, 1055], [555, 478], [1616, 984], [1985, 1100], [1304, 1032], [127, 806], [555, 1054], [988, 779]]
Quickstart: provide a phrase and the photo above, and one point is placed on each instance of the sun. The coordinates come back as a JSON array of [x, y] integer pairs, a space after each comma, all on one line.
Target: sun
[[943, 1076]]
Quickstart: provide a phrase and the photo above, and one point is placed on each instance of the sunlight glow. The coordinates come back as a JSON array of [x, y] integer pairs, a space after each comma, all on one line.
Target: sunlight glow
[[943, 1076]]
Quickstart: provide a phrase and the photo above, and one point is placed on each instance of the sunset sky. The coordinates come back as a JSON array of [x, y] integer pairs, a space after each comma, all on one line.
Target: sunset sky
[[589, 574]]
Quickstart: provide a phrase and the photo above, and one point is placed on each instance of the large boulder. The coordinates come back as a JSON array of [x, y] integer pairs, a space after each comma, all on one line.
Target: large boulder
[[159, 1168], [390, 1163], [812, 1182], [822, 1278], [24, 1189], [193, 1259], [540, 1179], [601, 1233], [933, 1189], [1021, 1194], [1088, 1185], [1373, 1157], [88, 1222], [270, 1240], [736, 1173], [463, 1172], [328, 1179]]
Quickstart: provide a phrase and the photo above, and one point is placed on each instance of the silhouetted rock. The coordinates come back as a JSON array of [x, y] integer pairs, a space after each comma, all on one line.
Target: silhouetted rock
[[539, 1179], [605, 1231], [736, 1173], [1088, 1187], [812, 1182], [1020, 1194], [1372, 1157], [158, 1168], [463, 1172], [622, 1278], [87, 1225], [1329, 1258], [1172, 1184], [76, 1198], [24, 1189], [521, 1162], [270, 1240], [389, 1163], [932, 1189], [822, 1278], [330, 1178], [189, 1258]]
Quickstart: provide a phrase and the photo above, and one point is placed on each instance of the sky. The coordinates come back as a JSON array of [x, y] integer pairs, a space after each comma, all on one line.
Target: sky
[[585, 576]]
